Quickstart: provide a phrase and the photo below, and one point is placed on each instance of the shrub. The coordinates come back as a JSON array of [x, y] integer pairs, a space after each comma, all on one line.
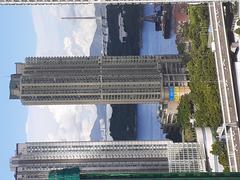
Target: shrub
[[237, 31], [238, 22]]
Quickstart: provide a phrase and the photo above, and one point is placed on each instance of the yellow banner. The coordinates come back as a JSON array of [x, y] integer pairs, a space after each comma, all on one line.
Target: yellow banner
[[177, 93]]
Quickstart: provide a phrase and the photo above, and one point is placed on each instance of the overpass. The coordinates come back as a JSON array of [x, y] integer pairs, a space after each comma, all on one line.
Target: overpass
[[225, 84], [67, 2]]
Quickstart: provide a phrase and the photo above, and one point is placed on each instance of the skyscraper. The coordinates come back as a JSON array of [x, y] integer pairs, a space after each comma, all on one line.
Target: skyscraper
[[97, 79], [35, 160]]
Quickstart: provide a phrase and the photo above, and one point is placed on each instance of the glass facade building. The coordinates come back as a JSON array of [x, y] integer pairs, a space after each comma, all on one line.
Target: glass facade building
[[34, 160]]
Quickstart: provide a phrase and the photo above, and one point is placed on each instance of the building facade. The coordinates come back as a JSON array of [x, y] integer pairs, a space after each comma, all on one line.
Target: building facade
[[98, 79], [35, 160]]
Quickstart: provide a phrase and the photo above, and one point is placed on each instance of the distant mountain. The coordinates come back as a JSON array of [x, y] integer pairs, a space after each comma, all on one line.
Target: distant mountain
[[96, 46], [96, 133]]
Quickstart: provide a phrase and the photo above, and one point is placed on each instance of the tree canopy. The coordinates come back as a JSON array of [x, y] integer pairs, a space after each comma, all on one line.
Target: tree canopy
[[202, 73]]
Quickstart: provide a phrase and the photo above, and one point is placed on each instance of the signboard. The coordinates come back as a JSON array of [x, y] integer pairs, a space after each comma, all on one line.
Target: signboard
[[171, 93], [177, 93]]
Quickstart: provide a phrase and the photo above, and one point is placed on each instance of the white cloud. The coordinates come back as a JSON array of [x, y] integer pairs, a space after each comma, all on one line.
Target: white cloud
[[56, 123], [109, 115], [58, 37], [68, 45], [109, 111], [53, 32]]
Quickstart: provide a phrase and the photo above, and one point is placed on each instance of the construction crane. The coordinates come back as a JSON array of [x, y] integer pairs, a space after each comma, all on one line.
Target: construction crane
[[86, 17], [161, 18], [154, 18]]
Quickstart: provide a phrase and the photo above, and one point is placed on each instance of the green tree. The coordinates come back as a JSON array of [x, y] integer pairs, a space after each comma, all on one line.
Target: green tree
[[237, 31], [238, 22], [184, 110], [220, 149], [181, 48], [202, 72]]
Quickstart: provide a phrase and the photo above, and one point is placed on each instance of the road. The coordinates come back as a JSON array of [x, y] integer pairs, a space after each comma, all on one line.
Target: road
[[225, 83]]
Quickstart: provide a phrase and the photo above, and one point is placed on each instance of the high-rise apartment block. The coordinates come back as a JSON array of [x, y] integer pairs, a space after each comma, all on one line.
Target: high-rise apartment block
[[97, 79], [34, 160]]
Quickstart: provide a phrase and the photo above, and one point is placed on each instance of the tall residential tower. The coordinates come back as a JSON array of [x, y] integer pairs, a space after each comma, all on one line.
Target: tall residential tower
[[97, 79], [36, 159]]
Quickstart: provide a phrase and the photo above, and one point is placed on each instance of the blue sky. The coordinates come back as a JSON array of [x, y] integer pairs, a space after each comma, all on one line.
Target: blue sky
[[39, 31], [17, 41]]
